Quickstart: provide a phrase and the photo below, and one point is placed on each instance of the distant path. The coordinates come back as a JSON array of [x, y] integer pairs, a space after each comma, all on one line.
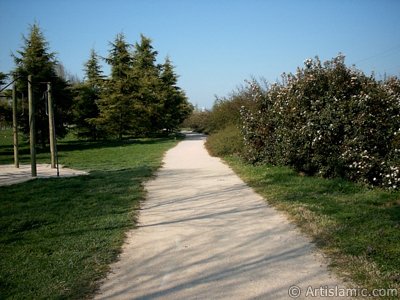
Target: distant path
[[204, 234]]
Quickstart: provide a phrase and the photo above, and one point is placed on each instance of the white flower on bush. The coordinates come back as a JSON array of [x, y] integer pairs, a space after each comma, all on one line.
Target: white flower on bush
[[308, 63]]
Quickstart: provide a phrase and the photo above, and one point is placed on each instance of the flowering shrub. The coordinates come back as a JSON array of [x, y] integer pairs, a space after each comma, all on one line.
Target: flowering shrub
[[327, 119]]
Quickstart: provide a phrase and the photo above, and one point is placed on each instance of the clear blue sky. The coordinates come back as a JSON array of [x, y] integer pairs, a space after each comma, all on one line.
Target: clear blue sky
[[215, 45]]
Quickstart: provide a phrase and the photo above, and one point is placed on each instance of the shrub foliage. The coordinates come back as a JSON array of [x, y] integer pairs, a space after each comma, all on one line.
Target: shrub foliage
[[197, 121], [327, 119], [226, 141]]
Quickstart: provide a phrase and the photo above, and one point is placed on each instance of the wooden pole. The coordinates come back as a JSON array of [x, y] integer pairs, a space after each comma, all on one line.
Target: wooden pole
[[15, 125], [52, 131], [32, 127]]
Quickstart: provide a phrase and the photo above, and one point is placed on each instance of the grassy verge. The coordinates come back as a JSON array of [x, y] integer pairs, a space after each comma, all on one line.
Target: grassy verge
[[358, 228], [58, 236]]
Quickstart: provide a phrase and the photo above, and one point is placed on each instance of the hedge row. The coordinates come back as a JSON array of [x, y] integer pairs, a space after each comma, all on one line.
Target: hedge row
[[327, 119]]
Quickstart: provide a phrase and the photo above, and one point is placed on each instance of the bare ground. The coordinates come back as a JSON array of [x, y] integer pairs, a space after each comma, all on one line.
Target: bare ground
[[9, 174]]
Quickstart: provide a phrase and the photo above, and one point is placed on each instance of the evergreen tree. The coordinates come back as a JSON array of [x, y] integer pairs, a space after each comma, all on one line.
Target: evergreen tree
[[140, 97], [3, 78], [146, 74], [93, 72], [116, 113], [145, 56], [119, 58], [176, 107], [5, 109], [35, 59], [86, 96]]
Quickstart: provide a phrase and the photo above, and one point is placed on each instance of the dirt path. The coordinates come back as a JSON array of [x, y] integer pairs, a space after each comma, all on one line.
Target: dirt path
[[10, 175], [204, 234]]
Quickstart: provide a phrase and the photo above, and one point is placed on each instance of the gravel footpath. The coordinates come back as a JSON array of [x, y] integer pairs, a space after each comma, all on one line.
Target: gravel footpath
[[204, 234]]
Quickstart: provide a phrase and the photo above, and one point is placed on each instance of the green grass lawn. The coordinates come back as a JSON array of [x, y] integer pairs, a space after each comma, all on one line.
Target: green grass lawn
[[59, 235], [359, 228]]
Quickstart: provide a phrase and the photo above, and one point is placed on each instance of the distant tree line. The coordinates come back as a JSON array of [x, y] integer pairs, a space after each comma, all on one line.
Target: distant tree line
[[140, 97]]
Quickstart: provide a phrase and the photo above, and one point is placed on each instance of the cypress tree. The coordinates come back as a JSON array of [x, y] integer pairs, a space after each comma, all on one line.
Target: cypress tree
[[93, 73], [86, 97], [116, 112], [3, 78], [175, 105], [5, 110], [35, 59], [146, 75], [119, 58], [140, 97]]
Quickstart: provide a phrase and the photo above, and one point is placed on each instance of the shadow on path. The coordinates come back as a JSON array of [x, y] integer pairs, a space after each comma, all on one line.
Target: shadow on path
[[204, 234]]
